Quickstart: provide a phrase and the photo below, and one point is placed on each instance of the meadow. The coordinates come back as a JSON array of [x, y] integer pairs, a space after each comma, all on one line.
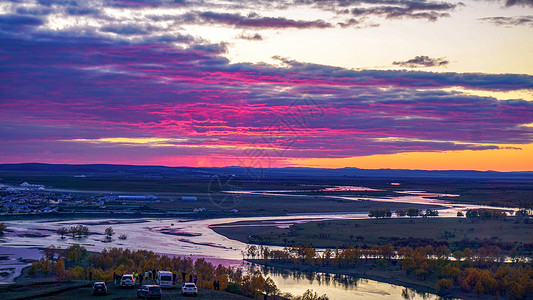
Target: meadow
[[456, 233]]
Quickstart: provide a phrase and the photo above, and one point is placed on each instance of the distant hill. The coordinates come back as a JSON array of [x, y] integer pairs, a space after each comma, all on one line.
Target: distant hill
[[155, 171]]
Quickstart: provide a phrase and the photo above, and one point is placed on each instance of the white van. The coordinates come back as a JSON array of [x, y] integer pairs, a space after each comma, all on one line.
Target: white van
[[164, 279]]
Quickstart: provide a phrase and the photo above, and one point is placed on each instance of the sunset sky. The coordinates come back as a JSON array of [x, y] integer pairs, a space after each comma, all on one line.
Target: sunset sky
[[408, 84]]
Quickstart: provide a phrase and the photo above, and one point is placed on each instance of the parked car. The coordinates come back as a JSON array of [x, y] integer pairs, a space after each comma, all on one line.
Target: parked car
[[127, 280], [164, 279], [189, 289], [149, 291], [99, 288]]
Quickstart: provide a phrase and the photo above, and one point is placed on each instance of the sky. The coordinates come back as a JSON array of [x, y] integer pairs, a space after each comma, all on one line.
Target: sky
[[404, 84]]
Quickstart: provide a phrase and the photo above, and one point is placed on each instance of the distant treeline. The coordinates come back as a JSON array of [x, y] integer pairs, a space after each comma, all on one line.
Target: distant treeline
[[471, 213], [411, 212]]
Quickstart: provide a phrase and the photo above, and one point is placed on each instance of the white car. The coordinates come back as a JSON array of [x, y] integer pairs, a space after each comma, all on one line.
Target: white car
[[127, 280], [164, 279], [189, 289]]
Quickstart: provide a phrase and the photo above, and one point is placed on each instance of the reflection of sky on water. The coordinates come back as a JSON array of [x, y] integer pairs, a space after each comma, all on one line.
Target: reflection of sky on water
[[12, 261], [337, 286]]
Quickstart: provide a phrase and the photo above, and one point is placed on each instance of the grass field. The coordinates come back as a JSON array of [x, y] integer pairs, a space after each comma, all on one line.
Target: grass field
[[503, 192], [64, 290], [346, 233]]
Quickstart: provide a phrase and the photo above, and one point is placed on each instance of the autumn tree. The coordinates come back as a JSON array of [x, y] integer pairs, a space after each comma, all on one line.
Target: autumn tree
[[443, 286], [59, 270]]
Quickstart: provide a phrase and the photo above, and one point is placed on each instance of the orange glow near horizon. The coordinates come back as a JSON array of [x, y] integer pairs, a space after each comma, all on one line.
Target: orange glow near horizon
[[504, 160]]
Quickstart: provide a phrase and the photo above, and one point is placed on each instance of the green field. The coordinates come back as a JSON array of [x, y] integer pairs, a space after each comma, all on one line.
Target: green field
[[456, 232]]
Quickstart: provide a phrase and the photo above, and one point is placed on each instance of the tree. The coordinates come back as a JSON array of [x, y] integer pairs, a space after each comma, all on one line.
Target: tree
[[79, 230], [33, 268], [252, 251], [413, 212], [472, 213], [401, 213], [478, 288], [311, 295], [46, 265], [59, 270], [431, 213], [72, 230], [82, 230], [442, 251], [62, 231], [521, 213], [270, 287], [49, 252], [443, 286], [386, 251], [109, 233]]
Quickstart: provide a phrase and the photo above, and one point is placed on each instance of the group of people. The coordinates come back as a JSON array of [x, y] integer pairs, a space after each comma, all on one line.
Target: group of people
[[216, 285]]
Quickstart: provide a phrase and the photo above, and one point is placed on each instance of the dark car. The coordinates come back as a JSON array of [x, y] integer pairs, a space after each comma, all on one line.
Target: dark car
[[149, 291], [99, 288]]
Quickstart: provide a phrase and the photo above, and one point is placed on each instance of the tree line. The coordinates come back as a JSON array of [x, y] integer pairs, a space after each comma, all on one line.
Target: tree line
[[411, 212], [483, 272], [76, 263], [524, 211]]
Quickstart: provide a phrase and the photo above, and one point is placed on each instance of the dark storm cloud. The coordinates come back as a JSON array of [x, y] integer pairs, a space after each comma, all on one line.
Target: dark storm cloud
[[422, 61], [510, 21]]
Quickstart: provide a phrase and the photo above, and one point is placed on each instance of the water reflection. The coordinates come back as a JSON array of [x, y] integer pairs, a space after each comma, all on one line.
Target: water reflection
[[337, 286]]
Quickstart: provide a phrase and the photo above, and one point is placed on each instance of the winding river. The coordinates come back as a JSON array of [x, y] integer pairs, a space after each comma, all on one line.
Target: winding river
[[194, 238]]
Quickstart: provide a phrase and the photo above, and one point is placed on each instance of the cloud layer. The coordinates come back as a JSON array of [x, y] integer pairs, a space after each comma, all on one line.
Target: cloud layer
[[106, 89], [66, 91]]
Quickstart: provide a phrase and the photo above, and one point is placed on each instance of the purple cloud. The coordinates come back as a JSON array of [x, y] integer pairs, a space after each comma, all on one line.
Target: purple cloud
[[62, 94], [255, 21]]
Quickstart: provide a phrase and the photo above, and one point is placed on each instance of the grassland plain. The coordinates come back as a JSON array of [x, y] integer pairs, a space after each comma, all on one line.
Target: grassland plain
[[499, 192], [456, 232], [81, 289]]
